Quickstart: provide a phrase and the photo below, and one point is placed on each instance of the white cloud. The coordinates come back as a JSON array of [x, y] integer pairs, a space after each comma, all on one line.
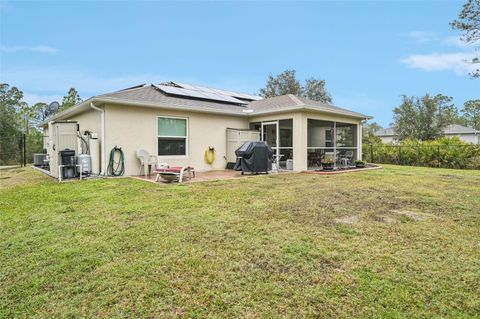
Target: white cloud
[[32, 98], [51, 84], [456, 61], [423, 36], [56, 80], [23, 48]]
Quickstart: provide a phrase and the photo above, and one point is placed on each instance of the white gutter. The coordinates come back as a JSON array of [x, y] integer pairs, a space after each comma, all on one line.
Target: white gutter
[[103, 155]]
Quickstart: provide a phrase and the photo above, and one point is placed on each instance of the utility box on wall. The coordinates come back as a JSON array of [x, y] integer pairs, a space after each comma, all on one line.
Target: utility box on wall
[[235, 139]]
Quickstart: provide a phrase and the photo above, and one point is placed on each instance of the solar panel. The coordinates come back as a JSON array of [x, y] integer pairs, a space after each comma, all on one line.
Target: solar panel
[[218, 91], [194, 93]]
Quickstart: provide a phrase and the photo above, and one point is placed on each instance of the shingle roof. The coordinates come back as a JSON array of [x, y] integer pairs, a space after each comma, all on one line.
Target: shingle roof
[[290, 101], [459, 129], [390, 131], [149, 94]]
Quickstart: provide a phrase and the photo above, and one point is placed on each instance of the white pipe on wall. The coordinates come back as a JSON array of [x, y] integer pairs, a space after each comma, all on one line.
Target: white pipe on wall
[[103, 152]]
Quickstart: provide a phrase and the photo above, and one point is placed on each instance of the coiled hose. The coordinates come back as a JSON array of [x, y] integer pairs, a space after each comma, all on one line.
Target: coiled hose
[[210, 155], [116, 168]]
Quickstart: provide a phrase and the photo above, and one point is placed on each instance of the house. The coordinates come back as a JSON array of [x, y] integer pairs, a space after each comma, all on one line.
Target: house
[[177, 122], [466, 134]]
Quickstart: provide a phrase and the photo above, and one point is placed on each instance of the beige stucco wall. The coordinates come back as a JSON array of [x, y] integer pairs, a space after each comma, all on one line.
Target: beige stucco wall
[[133, 128], [388, 139], [467, 138]]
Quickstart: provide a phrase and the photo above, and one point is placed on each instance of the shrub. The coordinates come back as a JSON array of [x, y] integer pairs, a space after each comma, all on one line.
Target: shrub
[[443, 152]]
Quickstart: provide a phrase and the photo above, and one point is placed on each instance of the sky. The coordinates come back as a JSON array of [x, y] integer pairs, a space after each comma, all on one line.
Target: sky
[[369, 52]]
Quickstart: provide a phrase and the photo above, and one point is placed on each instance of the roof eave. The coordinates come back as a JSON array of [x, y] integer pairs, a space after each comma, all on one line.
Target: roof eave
[[80, 107], [308, 108]]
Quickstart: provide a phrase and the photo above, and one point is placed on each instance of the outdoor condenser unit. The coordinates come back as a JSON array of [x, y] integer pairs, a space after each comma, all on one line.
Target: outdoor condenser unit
[[39, 159]]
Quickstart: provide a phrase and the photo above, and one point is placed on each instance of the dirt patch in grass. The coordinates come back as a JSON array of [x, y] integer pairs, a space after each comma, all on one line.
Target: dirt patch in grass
[[349, 220], [415, 215]]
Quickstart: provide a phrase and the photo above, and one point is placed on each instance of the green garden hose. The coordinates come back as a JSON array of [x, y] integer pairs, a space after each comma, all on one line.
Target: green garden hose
[[116, 168]]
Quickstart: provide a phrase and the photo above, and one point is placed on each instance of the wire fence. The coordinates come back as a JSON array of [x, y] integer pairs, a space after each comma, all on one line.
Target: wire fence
[[19, 149], [463, 156]]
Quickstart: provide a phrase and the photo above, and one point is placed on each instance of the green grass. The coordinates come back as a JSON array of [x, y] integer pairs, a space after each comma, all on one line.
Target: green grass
[[400, 242]]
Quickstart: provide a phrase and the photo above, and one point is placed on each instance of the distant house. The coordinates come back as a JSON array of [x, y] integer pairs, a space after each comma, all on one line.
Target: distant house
[[466, 134]]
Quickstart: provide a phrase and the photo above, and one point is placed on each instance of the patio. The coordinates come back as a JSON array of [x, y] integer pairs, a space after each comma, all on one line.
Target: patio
[[208, 176]]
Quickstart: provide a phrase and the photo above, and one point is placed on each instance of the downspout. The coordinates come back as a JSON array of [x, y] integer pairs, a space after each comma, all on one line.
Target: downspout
[[103, 152]]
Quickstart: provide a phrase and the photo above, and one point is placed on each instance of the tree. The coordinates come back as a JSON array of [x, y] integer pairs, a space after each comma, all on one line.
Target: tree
[[424, 118], [10, 127], [471, 114], [315, 90], [284, 83], [287, 83], [469, 22], [70, 99]]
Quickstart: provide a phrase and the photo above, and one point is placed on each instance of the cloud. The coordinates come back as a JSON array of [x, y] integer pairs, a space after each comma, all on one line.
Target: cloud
[[41, 84], [456, 41], [23, 48], [32, 98], [457, 62], [55, 81], [423, 36]]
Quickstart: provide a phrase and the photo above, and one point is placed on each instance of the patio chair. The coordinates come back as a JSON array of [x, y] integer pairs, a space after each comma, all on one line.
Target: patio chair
[[178, 173], [146, 161], [347, 158]]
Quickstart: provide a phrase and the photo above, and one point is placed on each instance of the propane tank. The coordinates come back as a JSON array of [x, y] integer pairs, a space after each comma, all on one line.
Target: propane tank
[[85, 162], [95, 153]]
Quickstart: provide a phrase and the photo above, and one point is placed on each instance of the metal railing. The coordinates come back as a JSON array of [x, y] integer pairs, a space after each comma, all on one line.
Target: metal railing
[[19, 149]]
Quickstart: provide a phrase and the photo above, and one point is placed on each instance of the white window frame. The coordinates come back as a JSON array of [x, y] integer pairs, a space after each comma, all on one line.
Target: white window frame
[[165, 136]]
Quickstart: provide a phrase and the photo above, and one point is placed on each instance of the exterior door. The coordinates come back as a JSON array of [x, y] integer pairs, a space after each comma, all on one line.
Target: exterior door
[[270, 135]]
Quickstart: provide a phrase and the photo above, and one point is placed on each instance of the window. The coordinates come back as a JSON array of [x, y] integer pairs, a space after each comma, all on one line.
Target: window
[[172, 136]]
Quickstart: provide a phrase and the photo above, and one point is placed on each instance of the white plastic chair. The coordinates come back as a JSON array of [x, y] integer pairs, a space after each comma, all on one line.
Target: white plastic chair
[[146, 161], [347, 158]]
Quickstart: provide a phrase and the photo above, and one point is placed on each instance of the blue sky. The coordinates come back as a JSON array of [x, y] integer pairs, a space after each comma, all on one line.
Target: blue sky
[[369, 53]]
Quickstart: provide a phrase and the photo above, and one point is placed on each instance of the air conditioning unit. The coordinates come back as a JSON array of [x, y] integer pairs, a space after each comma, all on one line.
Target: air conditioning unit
[[39, 159]]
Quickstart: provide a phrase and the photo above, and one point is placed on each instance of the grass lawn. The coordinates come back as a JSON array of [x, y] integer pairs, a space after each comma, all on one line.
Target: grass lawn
[[395, 242]]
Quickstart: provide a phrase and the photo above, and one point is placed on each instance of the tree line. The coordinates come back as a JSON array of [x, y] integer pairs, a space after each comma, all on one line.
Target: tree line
[[417, 118], [17, 117]]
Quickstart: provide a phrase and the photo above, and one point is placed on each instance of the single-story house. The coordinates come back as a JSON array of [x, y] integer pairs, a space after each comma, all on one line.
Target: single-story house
[[177, 122], [466, 134]]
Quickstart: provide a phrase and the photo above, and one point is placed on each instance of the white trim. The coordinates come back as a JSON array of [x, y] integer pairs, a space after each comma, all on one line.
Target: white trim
[[165, 136], [277, 135]]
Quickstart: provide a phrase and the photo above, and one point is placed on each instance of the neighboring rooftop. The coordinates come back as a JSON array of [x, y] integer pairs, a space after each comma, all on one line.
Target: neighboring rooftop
[[459, 129], [389, 131], [449, 130]]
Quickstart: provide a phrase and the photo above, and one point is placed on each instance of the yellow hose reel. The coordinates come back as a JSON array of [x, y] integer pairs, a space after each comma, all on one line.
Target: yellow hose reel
[[210, 155]]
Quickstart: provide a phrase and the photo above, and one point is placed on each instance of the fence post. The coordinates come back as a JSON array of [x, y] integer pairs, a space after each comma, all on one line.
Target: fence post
[[371, 153], [438, 155], [20, 149], [400, 155], [24, 149]]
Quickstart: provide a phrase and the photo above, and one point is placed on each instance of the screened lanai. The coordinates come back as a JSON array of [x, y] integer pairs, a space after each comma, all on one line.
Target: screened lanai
[[331, 141]]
